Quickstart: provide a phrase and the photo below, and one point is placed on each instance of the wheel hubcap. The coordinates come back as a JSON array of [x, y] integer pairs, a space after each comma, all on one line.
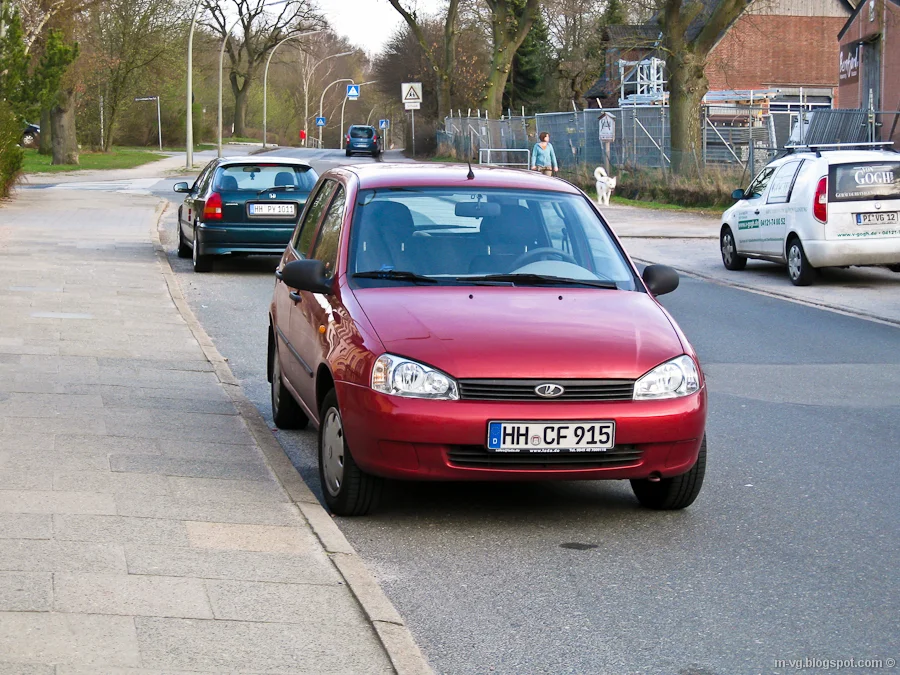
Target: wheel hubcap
[[333, 452], [794, 262], [727, 248], [194, 251], [276, 384]]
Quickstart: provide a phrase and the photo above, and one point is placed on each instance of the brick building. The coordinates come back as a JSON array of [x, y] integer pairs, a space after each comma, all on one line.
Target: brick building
[[781, 45], [869, 45]]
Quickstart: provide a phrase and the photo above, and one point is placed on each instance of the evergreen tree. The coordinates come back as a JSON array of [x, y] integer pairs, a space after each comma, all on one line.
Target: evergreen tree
[[530, 67], [13, 60]]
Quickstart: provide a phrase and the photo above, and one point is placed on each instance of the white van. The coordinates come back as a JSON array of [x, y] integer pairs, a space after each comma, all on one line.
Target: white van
[[817, 207]]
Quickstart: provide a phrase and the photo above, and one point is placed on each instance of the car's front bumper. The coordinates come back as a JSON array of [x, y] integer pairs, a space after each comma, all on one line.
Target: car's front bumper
[[220, 239], [444, 440], [853, 251]]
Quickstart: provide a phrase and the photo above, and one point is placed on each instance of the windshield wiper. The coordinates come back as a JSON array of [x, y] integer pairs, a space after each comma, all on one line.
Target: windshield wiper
[[395, 275], [542, 280], [276, 188]]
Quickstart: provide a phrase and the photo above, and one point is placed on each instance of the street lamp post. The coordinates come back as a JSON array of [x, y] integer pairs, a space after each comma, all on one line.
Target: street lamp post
[[266, 80], [322, 103], [189, 133], [306, 80], [342, 113]]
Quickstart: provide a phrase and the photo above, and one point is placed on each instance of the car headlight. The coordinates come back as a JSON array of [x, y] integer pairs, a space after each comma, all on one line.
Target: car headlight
[[678, 377], [403, 377]]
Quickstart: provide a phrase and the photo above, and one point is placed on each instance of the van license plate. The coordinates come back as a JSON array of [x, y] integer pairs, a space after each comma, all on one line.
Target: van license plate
[[889, 218], [537, 438], [282, 209]]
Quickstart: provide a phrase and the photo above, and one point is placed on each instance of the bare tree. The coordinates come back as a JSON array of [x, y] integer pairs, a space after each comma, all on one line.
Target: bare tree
[[510, 22], [261, 31]]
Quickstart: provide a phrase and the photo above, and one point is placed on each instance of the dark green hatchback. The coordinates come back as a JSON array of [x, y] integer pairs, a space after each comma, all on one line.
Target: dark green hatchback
[[242, 206]]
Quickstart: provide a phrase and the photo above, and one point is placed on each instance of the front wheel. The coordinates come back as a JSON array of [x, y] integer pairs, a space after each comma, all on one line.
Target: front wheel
[[678, 492], [348, 490], [728, 247], [800, 271]]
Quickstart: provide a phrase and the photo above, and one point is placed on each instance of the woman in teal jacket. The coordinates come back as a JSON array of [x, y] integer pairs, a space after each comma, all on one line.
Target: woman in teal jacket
[[543, 158]]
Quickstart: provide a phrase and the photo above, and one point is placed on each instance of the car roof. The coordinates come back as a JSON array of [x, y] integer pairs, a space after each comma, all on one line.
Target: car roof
[[263, 159], [414, 174]]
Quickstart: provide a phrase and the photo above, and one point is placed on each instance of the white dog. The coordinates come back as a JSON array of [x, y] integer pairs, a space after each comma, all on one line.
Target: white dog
[[605, 185]]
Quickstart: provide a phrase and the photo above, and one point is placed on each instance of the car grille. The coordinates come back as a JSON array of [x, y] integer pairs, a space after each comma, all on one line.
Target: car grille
[[523, 390], [477, 456]]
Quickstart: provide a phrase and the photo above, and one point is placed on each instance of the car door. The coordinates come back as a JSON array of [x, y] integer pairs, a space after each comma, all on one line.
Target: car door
[[775, 216], [746, 232], [189, 208], [311, 316], [296, 370]]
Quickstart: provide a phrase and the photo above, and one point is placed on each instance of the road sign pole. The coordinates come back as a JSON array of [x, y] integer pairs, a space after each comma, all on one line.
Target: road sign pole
[[159, 123], [413, 113]]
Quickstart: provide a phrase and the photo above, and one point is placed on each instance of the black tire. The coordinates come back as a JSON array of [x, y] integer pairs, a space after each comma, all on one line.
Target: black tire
[[286, 412], [347, 152], [800, 272], [894, 268], [678, 492], [374, 154], [30, 139], [728, 249], [202, 263], [357, 492], [184, 251]]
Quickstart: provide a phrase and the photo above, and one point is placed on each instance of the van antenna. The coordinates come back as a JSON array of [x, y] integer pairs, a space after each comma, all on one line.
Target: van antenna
[[471, 174]]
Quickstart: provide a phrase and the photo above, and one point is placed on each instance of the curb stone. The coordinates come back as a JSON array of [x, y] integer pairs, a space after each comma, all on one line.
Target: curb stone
[[395, 637]]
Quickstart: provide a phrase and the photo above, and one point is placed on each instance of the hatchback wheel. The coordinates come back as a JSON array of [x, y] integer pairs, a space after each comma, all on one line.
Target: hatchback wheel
[[799, 269], [286, 412], [730, 257], [894, 268], [202, 263], [184, 251], [674, 493], [348, 490], [29, 140]]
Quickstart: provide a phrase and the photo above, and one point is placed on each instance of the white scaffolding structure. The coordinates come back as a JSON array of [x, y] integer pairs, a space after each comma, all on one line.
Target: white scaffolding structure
[[645, 81]]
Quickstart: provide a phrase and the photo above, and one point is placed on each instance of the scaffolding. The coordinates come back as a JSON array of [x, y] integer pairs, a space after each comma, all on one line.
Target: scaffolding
[[642, 82]]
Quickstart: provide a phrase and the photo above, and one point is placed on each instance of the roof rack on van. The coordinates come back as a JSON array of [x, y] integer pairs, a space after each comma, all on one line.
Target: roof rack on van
[[819, 147]]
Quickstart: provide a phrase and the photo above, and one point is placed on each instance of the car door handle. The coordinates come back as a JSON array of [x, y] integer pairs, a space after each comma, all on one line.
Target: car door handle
[[278, 274], [756, 212], [296, 297]]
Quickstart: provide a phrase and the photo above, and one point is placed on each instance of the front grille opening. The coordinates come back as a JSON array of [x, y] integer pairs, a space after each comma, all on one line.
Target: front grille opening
[[524, 390], [477, 456]]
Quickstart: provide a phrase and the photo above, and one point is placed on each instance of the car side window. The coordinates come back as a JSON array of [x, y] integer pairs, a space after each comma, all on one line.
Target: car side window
[[207, 170], [759, 184], [326, 246], [307, 227], [783, 183]]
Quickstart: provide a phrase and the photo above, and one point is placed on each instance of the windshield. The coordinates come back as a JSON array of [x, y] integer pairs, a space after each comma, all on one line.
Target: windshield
[[361, 132], [256, 177], [472, 235]]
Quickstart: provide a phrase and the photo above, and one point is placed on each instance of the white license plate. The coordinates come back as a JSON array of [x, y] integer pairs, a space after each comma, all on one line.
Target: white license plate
[[888, 218], [272, 209], [535, 438]]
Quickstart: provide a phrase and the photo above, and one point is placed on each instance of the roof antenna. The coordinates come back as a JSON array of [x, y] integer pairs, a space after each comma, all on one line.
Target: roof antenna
[[471, 174]]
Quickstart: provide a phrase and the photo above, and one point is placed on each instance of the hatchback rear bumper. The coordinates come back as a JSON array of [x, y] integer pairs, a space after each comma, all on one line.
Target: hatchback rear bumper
[[444, 440], [242, 238], [855, 250]]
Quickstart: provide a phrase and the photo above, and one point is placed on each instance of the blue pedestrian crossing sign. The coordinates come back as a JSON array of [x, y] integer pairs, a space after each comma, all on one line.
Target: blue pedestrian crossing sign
[[353, 91], [320, 121], [384, 124]]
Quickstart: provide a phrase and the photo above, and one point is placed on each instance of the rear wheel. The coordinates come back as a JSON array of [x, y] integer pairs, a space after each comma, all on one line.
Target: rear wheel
[[286, 412], [348, 490], [678, 492], [800, 271], [728, 247], [202, 263], [347, 152], [184, 251], [894, 268]]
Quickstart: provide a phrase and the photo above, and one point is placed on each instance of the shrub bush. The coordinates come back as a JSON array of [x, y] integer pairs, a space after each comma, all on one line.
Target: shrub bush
[[11, 155]]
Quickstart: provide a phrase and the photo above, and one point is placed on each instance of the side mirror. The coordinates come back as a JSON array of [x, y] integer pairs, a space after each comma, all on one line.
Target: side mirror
[[307, 275], [181, 187], [660, 279], [737, 195]]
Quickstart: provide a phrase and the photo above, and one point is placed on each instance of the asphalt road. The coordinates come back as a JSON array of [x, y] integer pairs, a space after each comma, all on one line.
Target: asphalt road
[[790, 551]]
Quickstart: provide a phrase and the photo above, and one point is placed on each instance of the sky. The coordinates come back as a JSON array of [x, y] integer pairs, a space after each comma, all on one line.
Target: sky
[[370, 23]]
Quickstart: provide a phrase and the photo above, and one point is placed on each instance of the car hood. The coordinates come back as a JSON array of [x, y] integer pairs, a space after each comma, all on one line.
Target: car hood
[[523, 332]]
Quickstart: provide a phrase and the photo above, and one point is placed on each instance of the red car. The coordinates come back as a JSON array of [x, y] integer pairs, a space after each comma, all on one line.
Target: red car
[[439, 323]]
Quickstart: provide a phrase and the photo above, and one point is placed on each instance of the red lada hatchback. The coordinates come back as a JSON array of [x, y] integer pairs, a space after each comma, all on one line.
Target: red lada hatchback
[[437, 324]]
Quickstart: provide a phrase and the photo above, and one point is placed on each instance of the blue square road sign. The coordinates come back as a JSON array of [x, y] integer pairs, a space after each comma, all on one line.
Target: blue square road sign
[[384, 124], [352, 91], [320, 121]]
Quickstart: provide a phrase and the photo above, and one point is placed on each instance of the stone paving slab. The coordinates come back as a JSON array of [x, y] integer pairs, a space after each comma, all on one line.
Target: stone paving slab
[[142, 531]]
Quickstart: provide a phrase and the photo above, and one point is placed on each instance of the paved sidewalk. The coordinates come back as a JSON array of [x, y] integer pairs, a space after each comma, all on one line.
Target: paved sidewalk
[[141, 527]]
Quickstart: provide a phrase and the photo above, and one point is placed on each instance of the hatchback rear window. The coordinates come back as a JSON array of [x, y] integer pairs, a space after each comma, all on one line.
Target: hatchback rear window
[[863, 181], [362, 132], [256, 177]]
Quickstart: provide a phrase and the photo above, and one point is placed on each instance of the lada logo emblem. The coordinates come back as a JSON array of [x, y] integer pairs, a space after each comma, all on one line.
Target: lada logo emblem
[[548, 390]]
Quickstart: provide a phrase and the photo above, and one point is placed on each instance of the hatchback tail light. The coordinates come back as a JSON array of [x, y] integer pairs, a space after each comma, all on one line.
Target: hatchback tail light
[[820, 201], [348, 138], [212, 210], [375, 138]]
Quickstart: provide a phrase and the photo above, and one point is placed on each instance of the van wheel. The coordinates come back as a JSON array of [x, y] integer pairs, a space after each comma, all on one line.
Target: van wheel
[[286, 412], [894, 268], [800, 271], [348, 490], [728, 247], [674, 493]]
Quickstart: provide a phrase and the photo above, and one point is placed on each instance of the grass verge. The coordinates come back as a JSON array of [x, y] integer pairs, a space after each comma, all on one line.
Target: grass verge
[[117, 158]]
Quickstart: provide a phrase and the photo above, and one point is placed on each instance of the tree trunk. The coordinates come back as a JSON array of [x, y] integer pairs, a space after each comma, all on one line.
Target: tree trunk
[[62, 123], [508, 35], [501, 65], [241, 100], [45, 147], [687, 87]]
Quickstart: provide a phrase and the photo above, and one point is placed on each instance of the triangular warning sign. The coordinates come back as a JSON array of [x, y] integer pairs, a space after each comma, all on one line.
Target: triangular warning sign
[[411, 95]]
